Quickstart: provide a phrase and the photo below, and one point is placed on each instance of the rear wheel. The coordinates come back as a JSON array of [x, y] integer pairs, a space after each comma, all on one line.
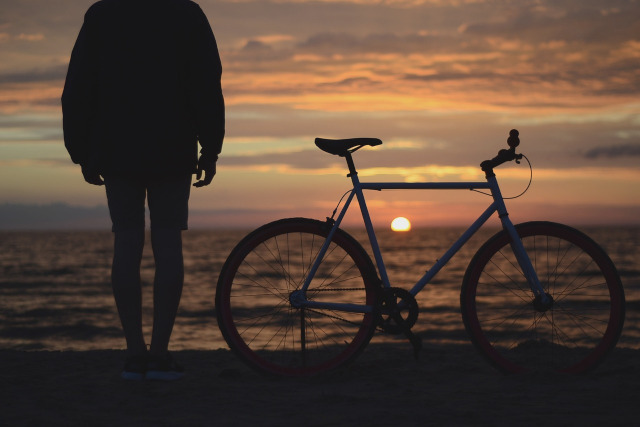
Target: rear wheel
[[516, 332], [259, 282]]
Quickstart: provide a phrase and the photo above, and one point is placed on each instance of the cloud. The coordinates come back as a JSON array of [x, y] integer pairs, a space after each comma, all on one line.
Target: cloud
[[542, 58], [21, 128], [31, 37], [332, 43], [56, 73], [7, 37], [627, 150], [583, 22]]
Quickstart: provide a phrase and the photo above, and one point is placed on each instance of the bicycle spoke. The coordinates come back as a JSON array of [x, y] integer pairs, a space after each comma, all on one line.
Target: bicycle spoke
[[257, 318], [515, 332]]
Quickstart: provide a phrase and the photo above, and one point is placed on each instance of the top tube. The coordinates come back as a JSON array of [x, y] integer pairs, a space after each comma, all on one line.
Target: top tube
[[423, 185]]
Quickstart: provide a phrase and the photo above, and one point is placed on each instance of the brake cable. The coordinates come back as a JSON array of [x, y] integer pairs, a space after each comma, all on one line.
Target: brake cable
[[519, 195]]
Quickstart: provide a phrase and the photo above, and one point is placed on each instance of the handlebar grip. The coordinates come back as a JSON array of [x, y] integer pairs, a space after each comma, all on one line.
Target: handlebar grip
[[513, 139]]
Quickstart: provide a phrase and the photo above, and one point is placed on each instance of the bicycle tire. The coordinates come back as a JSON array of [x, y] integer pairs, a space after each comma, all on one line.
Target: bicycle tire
[[575, 334], [257, 318]]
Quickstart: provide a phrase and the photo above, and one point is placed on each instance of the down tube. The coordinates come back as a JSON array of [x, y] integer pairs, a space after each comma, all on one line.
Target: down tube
[[377, 255], [325, 246], [454, 249]]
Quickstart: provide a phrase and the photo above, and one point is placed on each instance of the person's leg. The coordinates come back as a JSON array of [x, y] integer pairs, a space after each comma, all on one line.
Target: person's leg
[[168, 206], [167, 285], [127, 289], [126, 199]]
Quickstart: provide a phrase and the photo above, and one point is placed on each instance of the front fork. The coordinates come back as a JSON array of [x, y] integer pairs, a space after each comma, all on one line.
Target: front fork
[[542, 300]]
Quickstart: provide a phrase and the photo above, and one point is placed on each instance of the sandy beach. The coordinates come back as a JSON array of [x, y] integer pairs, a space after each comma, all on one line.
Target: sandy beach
[[448, 385]]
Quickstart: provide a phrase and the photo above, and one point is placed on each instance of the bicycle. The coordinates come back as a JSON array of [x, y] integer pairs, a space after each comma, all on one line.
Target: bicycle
[[300, 296]]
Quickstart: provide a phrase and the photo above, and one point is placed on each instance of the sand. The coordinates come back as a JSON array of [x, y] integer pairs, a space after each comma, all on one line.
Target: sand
[[448, 385]]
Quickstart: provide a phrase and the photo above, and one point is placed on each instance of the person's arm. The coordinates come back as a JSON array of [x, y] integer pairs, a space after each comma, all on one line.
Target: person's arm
[[77, 102], [206, 96]]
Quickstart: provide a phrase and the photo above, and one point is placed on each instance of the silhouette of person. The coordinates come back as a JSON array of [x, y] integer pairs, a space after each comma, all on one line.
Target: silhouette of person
[[142, 90]]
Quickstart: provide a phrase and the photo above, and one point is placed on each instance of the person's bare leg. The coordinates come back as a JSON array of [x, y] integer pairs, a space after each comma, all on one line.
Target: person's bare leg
[[127, 289], [167, 286]]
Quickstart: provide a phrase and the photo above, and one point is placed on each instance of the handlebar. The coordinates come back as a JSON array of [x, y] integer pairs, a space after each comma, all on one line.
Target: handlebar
[[504, 155]]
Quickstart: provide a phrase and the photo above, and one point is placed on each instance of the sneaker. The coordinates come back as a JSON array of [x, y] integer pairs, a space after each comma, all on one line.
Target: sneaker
[[135, 367], [163, 368]]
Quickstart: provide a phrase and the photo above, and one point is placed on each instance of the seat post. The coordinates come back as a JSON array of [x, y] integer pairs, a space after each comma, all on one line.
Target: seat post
[[352, 167]]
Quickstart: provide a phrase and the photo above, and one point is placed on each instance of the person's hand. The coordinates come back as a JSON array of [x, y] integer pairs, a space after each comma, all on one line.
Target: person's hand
[[207, 165], [91, 175]]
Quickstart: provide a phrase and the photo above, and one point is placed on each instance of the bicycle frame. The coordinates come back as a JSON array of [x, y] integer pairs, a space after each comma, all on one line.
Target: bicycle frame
[[498, 206], [299, 297]]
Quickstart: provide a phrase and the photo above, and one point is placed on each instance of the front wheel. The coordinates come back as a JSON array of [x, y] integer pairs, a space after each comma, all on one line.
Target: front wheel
[[256, 293], [514, 330]]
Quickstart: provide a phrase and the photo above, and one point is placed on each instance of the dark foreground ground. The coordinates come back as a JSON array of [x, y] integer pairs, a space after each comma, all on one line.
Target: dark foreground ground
[[449, 385]]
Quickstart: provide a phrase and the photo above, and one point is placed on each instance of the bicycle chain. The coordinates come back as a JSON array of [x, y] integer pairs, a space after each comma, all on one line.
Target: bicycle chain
[[332, 317], [380, 327], [342, 319], [394, 323]]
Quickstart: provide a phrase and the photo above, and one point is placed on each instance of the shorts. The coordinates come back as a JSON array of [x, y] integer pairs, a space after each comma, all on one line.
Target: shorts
[[168, 200]]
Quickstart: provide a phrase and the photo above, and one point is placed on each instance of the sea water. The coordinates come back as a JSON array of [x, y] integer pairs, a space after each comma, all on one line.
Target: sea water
[[55, 291]]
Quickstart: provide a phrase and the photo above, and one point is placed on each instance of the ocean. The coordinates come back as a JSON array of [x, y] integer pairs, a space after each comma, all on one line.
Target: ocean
[[55, 291]]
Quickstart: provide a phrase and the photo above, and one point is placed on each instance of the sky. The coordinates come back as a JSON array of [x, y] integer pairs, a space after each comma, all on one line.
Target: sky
[[440, 82]]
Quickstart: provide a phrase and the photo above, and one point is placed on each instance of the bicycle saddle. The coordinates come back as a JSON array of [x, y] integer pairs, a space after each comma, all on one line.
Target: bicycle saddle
[[340, 147]]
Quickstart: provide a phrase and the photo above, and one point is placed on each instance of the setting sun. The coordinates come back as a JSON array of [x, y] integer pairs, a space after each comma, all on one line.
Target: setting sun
[[400, 224]]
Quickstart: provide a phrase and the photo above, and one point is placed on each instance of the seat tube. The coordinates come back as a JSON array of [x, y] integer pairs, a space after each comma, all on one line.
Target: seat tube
[[516, 243]]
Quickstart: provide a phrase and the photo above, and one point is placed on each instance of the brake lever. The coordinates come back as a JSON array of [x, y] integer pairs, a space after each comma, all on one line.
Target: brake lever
[[513, 142]]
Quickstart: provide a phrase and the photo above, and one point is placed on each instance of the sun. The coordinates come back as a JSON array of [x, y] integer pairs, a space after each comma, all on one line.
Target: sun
[[400, 224]]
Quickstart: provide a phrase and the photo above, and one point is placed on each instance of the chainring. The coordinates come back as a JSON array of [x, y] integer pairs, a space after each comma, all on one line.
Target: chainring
[[397, 300]]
